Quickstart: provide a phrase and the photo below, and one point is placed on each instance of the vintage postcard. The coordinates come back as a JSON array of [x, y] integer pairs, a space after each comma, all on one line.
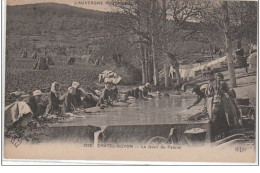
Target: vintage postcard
[[131, 80]]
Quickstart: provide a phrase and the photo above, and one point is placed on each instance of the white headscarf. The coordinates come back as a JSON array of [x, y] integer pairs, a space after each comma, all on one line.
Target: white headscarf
[[57, 93], [37, 93], [141, 87], [72, 90], [75, 84], [108, 80]]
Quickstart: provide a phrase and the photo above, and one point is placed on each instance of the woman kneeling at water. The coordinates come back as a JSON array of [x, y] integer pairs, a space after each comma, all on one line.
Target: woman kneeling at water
[[79, 92], [200, 95], [55, 103], [134, 92], [35, 103], [68, 100], [144, 90], [109, 93], [83, 98]]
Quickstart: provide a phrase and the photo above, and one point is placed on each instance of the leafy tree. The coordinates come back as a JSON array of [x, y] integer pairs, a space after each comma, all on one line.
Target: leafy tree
[[233, 20]]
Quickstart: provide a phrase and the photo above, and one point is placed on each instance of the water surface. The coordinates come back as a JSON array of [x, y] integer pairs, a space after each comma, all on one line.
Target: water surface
[[139, 112]]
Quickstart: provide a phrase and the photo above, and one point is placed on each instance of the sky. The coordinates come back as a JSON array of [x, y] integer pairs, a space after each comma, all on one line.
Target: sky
[[100, 5]]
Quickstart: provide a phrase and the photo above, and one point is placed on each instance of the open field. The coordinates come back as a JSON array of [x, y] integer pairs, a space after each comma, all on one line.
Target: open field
[[20, 75]]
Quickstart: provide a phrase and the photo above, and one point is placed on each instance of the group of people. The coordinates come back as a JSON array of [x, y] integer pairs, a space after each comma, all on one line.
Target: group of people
[[76, 97], [110, 93], [58, 104], [139, 92], [219, 102]]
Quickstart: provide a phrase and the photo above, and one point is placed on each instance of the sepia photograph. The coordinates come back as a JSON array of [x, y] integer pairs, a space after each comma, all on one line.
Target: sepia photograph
[[130, 80]]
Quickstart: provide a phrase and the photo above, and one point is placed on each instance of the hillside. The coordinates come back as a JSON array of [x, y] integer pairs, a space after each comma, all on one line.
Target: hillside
[[50, 17], [53, 26]]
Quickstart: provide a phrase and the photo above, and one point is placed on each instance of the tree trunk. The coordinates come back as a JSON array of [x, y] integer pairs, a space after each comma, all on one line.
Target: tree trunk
[[141, 54], [226, 21], [146, 64], [143, 73], [149, 67], [166, 70], [164, 45], [178, 76], [175, 65], [164, 9], [148, 71], [151, 70], [155, 70], [231, 66], [153, 33]]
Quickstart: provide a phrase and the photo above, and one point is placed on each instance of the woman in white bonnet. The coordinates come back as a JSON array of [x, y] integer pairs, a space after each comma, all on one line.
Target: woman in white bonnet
[[35, 103], [68, 104], [83, 98], [144, 90], [109, 93], [54, 106], [79, 93]]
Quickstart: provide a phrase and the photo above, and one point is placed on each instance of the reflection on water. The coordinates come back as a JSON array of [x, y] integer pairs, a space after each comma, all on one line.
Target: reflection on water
[[155, 111]]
